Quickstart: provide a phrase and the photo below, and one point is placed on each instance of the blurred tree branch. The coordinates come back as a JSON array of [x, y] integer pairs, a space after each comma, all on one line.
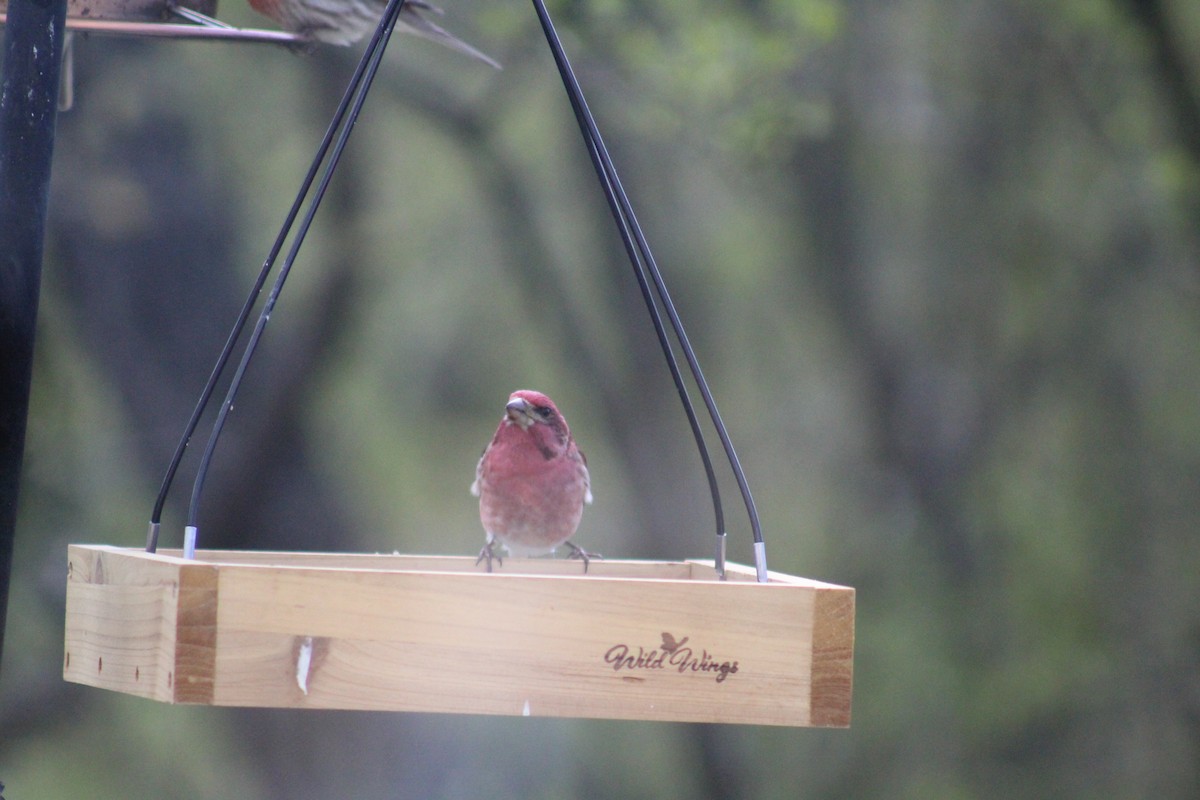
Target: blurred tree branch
[[1176, 73]]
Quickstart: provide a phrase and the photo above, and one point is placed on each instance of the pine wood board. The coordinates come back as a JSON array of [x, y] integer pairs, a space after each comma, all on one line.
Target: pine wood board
[[628, 640]]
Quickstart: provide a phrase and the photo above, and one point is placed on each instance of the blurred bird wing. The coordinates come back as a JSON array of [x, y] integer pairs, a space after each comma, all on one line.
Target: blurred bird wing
[[421, 5], [478, 475], [412, 22], [587, 479]]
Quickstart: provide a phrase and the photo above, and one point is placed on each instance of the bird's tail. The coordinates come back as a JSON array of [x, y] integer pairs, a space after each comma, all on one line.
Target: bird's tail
[[412, 21]]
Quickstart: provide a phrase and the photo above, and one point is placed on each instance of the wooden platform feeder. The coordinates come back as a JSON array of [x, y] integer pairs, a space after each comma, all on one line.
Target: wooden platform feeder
[[638, 640], [643, 640]]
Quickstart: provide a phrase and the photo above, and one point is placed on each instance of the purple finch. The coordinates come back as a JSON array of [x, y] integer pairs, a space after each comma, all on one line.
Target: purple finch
[[347, 21], [532, 481]]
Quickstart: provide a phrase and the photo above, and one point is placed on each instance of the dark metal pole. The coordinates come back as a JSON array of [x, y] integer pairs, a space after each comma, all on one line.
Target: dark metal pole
[[33, 46]]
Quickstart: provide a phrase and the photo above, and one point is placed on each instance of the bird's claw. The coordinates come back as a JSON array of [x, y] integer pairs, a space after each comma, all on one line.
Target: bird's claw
[[488, 553], [584, 555]]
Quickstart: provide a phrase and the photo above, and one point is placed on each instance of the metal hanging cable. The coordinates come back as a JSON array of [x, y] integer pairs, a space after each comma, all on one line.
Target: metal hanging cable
[[637, 249], [244, 315], [643, 261], [336, 137]]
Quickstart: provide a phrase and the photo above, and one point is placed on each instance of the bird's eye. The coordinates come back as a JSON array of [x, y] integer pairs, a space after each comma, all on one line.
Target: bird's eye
[[544, 412]]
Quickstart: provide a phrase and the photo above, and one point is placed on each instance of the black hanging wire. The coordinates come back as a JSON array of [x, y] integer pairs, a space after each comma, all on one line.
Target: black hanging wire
[[664, 342], [336, 136], [240, 324], [636, 246], [643, 261]]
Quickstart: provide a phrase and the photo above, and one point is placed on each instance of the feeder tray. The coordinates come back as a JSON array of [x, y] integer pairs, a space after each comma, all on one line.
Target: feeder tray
[[639, 640], [645, 640]]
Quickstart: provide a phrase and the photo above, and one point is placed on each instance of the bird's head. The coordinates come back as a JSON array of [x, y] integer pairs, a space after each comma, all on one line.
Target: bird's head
[[528, 408]]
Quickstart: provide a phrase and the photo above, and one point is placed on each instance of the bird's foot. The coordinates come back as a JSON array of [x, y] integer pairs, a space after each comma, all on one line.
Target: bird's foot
[[584, 555], [490, 554]]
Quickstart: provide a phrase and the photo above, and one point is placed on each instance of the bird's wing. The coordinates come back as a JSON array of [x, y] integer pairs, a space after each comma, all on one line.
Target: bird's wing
[[412, 22], [478, 475], [587, 479]]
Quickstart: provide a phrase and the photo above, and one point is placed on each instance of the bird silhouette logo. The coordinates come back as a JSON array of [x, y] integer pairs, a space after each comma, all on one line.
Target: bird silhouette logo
[[669, 644]]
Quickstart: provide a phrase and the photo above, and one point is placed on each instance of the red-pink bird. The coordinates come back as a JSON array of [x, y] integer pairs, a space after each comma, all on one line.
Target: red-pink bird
[[347, 21], [532, 481]]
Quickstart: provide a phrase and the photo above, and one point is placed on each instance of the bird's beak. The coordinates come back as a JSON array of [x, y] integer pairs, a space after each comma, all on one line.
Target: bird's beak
[[518, 411]]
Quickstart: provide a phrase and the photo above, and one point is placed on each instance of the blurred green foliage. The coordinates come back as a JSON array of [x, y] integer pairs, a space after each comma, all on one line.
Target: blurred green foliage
[[939, 261]]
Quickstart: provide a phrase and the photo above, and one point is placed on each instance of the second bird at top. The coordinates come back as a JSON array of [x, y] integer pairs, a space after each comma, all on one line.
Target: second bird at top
[[347, 21]]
